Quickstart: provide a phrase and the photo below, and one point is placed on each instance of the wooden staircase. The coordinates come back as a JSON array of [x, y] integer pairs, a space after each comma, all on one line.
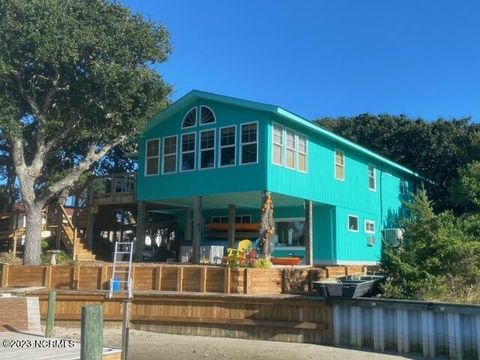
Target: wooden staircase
[[74, 239]]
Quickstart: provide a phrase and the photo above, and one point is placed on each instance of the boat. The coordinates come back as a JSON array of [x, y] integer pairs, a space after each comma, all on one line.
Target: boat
[[349, 286], [292, 261]]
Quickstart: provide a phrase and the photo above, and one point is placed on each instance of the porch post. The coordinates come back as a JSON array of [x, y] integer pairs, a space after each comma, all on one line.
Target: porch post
[[231, 226], [188, 226], [197, 228], [308, 233], [140, 242], [90, 215]]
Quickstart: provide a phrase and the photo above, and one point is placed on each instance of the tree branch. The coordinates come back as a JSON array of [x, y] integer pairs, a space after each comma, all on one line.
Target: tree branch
[[74, 174]]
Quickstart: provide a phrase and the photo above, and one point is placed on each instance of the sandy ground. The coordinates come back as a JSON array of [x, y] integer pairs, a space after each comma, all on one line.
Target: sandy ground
[[152, 346]]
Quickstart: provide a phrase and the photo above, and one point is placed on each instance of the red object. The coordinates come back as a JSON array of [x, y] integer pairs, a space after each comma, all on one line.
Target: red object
[[286, 260]]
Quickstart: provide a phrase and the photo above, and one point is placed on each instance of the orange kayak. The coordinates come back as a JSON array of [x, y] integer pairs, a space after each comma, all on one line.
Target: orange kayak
[[286, 260], [248, 227]]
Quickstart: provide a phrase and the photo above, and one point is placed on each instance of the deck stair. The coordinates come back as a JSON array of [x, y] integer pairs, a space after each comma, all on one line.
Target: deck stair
[[74, 239]]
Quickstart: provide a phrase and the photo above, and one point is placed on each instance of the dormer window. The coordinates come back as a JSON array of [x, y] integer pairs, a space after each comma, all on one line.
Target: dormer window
[[206, 115], [190, 120]]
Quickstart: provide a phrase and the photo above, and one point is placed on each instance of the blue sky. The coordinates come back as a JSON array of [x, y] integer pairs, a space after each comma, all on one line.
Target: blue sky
[[328, 58]]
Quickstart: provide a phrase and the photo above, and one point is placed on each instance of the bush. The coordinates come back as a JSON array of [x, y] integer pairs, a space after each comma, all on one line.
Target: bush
[[439, 258]]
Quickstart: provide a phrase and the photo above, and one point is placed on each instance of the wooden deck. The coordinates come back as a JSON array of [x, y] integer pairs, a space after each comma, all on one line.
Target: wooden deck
[[24, 346]]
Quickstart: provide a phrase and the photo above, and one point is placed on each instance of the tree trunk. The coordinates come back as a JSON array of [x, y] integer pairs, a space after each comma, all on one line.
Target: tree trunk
[[33, 235]]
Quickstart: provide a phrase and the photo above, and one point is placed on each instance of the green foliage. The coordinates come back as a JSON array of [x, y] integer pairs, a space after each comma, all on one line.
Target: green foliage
[[437, 260], [263, 264], [78, 73], [466, 189], [62, 258], [434, 149]]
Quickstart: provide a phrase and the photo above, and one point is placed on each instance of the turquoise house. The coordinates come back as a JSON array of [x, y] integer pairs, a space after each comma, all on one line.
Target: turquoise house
[[207, 160]]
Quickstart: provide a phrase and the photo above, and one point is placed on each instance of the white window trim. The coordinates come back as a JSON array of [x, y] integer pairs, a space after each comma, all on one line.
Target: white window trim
[[176, 155], [214, 149], [288, 148], [299, 152], [149, 157], [249, 143], [187, 152], [199, 115], [196, 118], [220, 147], [348, 223], [335, 164], [365, 226], [374, 177], [282, 146]]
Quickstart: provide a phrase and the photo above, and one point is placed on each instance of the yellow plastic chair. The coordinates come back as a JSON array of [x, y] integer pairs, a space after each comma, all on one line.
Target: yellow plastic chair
[[237, 254]]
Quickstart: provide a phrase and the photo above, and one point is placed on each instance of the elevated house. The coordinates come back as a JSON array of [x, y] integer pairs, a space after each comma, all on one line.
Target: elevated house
[[210, 158]]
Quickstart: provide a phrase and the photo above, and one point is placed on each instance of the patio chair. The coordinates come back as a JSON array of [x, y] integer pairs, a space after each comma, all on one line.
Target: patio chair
[[237, 254]]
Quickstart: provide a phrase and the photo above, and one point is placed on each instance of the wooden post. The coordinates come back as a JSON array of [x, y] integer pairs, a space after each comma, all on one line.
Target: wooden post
[[76, 277], [203, 279], [158, 279], [52, 306], [226, 283], [90, 217], [103, 277], [188, 226], [231, 226], [140, 243], [180, 278], [5, 270], [308, 233], [47, 276], [197, 229], [126, 328], [91, 344], [15, 238], [246, 281]]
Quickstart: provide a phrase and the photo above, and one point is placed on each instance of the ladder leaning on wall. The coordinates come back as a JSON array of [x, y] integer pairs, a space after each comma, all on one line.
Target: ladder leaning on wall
[[122, 279]]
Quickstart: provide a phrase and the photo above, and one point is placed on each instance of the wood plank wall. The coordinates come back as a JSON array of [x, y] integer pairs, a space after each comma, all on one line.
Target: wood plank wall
[[277, 317], [182, 278]]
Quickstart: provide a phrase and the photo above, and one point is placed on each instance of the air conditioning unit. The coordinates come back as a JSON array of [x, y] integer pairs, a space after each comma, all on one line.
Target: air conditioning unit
[[393, 236], [371, 240]]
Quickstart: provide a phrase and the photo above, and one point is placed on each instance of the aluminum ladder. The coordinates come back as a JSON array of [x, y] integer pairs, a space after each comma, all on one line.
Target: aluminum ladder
[[120, 277]]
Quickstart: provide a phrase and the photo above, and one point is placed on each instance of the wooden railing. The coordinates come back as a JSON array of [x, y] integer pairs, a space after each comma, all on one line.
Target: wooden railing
[[113, 185]]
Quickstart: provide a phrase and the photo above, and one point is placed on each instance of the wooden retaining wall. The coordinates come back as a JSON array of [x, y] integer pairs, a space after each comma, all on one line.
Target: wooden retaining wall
[[181, 278], [287, 318]]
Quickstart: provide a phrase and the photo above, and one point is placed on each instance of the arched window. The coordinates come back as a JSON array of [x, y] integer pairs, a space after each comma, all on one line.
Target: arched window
[[206, 115], [190, 119]]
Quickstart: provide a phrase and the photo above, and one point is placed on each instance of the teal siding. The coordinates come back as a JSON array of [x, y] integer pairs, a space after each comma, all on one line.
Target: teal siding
[[237, 178], [333, 199]]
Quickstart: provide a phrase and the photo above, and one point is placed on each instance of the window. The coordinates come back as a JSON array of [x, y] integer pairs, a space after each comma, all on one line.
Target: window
[[302, 153], [370, 227], [289, 232], [207, 149], [353, 223], [372, 179], [249, 153], [227, 146], [339, 165], [206, 115], [169, 155], [190, 120], [277, 144], [188, 152], [239, 219], [290, 149], [152, 157]]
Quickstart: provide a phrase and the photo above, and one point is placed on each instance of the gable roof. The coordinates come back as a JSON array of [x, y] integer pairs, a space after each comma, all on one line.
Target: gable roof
[[277, 110]]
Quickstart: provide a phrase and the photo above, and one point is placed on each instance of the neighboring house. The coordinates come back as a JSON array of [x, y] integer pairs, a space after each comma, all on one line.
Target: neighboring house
[[230, 151]]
